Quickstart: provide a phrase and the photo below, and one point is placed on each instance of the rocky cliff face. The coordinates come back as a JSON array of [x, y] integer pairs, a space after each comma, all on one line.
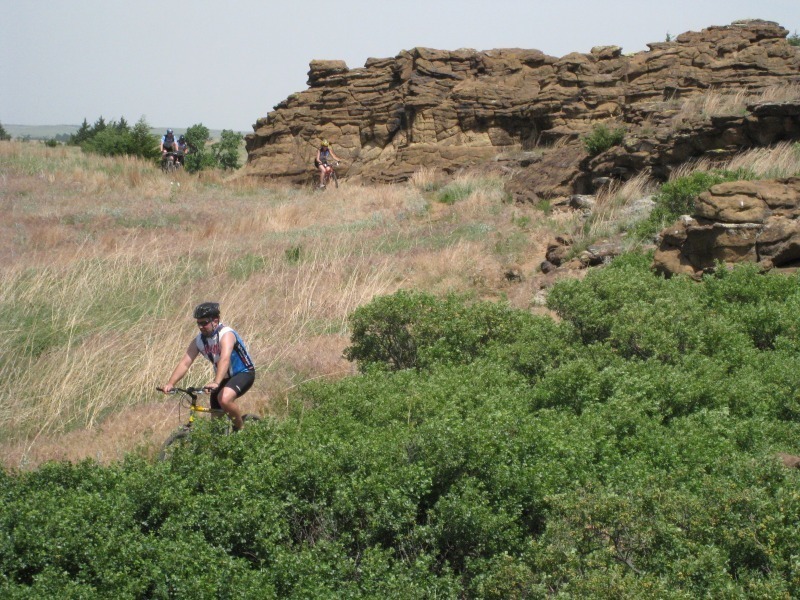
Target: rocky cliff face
[[524, 112]]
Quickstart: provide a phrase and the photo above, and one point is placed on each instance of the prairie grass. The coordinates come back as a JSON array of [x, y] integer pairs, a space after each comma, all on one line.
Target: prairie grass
[[717, 102], [774, 162], [613, 211], [103, 260]]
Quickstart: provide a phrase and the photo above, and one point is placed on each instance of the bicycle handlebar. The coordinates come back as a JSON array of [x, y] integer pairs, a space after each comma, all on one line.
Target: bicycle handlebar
[[192, 391]]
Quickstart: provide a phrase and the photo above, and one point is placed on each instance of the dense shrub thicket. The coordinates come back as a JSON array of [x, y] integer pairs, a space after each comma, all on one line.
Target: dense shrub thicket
[[116, 138], [625, 450]]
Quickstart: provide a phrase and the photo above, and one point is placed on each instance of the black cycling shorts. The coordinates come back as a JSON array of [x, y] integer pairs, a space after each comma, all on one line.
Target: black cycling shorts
[[240, 383]]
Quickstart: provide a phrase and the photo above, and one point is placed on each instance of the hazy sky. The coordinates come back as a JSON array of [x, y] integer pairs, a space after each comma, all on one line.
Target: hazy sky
[[225, 64]]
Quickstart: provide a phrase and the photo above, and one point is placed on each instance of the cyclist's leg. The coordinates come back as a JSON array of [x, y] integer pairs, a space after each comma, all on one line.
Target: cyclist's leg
[[225, 396], [321, 174]]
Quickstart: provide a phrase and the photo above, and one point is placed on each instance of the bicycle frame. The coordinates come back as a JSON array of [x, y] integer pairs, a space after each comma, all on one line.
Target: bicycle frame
[[193, 406]]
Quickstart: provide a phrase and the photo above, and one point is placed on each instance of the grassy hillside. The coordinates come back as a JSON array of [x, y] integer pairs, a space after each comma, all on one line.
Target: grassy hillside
[[104, 258]]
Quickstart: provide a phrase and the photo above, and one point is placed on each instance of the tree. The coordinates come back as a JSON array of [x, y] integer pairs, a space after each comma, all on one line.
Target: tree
[[118, 139], [794, 39], [142, 142], [99, 125], [199, 158], [80, 136], [226, 151], [4, 135]]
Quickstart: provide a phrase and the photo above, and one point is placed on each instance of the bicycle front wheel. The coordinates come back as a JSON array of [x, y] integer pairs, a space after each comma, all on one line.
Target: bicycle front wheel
[[177, 440]]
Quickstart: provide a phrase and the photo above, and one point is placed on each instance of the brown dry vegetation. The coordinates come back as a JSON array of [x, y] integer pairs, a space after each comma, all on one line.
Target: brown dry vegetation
[[716, 102], [104, 258]]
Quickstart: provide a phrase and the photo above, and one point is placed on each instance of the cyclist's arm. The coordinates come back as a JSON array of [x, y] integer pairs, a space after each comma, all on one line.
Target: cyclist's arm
[[183, 366], [224, 363], [333, 154]]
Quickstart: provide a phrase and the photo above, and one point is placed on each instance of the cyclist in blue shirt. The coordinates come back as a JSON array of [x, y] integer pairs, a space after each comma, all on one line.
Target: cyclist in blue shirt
[[168, 143], [234, 372]]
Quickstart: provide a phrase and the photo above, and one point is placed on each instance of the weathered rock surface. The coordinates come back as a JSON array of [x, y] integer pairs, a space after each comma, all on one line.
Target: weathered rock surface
[[740, 221], [524, 112]]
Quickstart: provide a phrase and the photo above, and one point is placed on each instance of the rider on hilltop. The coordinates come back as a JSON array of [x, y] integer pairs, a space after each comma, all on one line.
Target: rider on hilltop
[[234, 372], [324, 154]]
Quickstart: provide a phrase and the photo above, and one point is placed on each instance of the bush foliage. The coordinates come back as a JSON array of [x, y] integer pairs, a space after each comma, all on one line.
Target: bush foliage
[[117, 138], [623, 450], [676, 198], [602, 138]]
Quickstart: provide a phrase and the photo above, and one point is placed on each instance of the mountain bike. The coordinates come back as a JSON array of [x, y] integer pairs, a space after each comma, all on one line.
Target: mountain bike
[[188, 399], [330, 176], [170, 162]]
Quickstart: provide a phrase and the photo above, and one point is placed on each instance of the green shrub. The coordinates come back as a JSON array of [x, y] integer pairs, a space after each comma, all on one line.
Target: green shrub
[[117, 139], [414, 330], [625, 450], [676, 198], [226, 151], [199, 157], [602, 138]]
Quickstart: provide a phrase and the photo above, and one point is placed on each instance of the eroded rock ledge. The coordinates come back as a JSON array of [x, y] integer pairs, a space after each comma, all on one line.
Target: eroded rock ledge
[[523, 112], [740, 221]]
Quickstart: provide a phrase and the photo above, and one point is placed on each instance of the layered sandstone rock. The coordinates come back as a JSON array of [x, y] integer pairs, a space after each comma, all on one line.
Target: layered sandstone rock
[[524, 112], [741, 221]]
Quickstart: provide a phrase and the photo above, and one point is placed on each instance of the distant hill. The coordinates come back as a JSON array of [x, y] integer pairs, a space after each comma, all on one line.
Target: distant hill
[[46, 132]]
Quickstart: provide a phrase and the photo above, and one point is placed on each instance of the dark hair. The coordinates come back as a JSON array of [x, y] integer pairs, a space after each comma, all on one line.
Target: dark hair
[[206, 310]]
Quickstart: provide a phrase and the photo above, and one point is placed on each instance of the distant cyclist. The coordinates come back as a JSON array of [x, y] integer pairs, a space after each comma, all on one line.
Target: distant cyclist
[[168, 143], [324, 155], [183, 149], [234, 372]]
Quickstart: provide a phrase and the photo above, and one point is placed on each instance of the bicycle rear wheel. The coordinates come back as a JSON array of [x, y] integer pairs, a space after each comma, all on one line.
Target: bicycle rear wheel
[[335, 179], [177, 440]]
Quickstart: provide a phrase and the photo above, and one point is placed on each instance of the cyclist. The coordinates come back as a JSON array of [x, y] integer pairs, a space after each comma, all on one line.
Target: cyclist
[[324, 154], [183, 149], [234, 372], [168, 144]]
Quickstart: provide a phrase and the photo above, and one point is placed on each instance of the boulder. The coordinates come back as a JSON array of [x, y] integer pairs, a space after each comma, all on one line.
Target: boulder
[[741, 221]]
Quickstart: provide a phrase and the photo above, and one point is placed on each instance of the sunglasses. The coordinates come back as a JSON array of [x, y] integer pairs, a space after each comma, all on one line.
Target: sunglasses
[[204, 322]]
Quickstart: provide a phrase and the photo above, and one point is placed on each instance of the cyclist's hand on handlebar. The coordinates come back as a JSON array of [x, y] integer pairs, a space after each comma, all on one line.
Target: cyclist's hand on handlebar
[[210, 387], [167, 389]]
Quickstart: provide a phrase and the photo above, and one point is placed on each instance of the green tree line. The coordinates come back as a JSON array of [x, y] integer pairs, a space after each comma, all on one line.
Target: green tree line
[[625, 449], [118, 138]]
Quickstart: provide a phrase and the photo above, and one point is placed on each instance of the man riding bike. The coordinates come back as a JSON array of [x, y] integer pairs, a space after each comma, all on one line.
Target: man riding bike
[[234, 372], [168, 144], [183, 149], [324, 154]]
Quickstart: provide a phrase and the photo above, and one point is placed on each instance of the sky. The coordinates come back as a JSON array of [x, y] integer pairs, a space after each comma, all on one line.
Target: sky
[[227, 63]]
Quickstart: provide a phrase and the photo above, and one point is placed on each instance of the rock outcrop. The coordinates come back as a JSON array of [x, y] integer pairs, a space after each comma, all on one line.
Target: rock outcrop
[[740, 221], [524, 112]]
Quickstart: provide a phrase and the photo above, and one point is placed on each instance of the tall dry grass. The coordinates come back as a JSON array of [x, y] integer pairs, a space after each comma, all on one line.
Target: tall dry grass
[[613, 211], [773, 162], [730, 102], [103, 260]]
